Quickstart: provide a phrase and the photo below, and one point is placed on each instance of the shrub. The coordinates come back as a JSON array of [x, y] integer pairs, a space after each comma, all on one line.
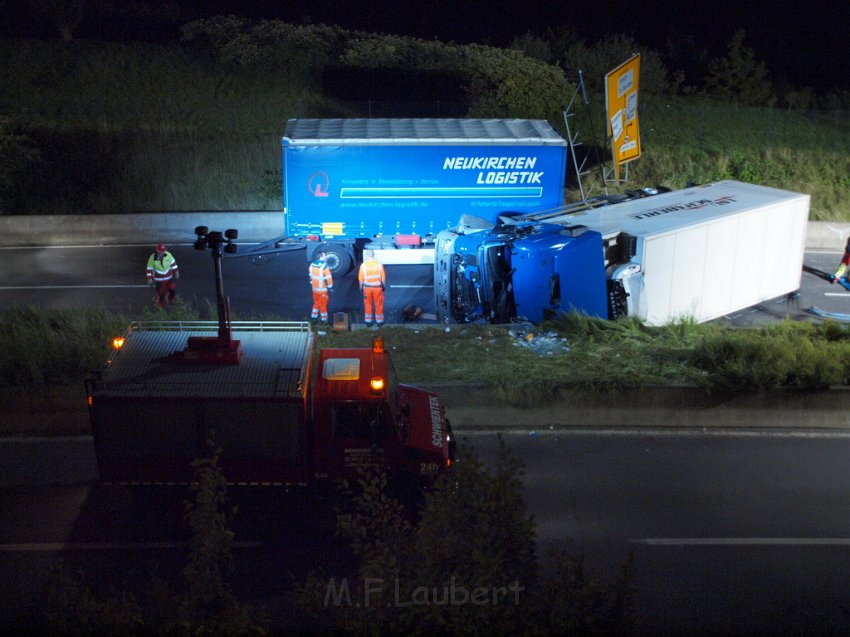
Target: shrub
[[53, 347], [789, 354], [738, 76], [473, 533]]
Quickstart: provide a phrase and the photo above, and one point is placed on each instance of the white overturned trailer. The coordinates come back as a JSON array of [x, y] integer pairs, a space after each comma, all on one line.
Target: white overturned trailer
[[707, 251], [701, 252]]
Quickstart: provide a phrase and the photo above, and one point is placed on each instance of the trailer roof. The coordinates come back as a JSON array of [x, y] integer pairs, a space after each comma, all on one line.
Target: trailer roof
[[273, 365], [421, 131], [668, 212]]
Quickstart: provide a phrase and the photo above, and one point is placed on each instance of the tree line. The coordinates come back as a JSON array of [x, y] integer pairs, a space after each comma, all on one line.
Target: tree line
[[679, 67]]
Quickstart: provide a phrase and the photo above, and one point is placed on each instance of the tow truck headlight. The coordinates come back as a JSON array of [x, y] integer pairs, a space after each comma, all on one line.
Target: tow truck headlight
[[376, 384]]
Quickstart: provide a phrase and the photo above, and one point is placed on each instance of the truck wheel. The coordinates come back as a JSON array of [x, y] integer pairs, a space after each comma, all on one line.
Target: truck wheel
[[338, 258]]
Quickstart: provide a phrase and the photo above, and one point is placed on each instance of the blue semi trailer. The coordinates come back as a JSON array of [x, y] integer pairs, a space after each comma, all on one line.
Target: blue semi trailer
[[394, 184]]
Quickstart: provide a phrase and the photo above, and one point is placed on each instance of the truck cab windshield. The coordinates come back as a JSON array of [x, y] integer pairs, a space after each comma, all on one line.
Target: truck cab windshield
[[497, 279], [358, 420], [482, 290]]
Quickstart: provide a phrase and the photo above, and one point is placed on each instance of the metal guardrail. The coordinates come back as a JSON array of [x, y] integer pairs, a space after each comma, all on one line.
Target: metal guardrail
[[212, 326]]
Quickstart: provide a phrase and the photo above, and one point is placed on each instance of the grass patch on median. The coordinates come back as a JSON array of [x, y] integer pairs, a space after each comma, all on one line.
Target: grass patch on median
[[47, 350], [789, 354], [527, 364], [53, 347], [602, 357], [46, 355]]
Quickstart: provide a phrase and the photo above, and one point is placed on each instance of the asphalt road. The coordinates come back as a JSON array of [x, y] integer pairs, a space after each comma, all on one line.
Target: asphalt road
[[731, 534], [113, 277]]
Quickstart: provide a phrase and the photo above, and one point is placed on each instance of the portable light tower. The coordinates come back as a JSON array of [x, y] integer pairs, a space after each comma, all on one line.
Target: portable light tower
[[221, 348]]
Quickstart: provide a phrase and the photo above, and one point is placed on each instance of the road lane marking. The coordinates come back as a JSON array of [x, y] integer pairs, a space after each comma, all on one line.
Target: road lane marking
[[104, 546], [836, 293], [651, 431], [558, 430], [67, 287], [743, 541]]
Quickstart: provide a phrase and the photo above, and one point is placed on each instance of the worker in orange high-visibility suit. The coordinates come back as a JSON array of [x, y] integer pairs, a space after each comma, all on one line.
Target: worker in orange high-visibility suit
[[322, 283], [373, 280]]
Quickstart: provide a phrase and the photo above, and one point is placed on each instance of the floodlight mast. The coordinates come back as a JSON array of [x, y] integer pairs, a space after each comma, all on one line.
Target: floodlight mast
[[218, 244], [220, 349]]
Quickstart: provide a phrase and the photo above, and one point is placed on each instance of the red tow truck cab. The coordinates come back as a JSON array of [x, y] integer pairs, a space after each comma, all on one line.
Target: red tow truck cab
[[279, 415], [361, 419]]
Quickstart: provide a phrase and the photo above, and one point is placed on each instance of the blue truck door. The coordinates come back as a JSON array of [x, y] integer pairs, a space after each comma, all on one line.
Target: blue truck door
[[580, 271]]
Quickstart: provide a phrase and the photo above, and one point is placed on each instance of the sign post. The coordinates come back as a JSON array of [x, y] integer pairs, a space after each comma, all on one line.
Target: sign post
[[621, 104]]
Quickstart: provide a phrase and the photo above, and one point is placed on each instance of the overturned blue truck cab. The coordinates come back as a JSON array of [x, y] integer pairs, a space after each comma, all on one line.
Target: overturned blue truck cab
[[656, 255]]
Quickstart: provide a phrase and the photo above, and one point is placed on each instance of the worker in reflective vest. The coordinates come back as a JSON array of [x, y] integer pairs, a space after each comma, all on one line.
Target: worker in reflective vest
[[322, 283], [845, 261], [162, 273], [372, 282]]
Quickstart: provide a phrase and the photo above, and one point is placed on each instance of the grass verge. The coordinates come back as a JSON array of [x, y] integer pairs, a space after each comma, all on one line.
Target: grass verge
[[160, 127], [49, 352]]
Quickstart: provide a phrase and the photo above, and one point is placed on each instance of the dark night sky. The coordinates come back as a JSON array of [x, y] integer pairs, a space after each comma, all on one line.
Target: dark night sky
[[805, 42]]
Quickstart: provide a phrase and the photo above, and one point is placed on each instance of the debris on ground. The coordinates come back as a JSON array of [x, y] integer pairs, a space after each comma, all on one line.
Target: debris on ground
[[411, 313], [542, 343], [837, 316]]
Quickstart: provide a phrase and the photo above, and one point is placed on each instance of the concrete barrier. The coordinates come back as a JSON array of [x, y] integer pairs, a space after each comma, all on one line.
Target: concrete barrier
[[168, 227], [827, 235], [179, 227]]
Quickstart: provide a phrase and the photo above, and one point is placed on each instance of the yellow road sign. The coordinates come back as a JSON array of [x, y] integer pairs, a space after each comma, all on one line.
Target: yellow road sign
[[621, 102]]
